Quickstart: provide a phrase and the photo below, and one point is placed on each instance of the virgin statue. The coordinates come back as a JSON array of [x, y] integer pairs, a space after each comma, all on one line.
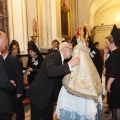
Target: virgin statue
[[80, 97]]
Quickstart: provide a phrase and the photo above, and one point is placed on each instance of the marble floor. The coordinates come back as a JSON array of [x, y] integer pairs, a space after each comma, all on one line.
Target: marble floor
[[104, 116]]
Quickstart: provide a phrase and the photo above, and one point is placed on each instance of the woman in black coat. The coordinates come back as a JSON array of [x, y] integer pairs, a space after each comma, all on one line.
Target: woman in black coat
[[113, 78], [34, 61]]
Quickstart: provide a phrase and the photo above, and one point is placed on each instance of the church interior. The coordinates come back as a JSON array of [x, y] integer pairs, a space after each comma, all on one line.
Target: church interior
[[45, 20]]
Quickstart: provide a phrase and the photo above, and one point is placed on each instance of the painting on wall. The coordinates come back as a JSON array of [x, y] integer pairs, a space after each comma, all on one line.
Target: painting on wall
[[65, 23]]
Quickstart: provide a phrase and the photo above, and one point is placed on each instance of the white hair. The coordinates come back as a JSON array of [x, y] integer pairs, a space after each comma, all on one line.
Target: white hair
[[63, 45]]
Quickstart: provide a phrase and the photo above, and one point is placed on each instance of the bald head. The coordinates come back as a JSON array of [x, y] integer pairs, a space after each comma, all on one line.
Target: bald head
[[66, 50], [3, 40]]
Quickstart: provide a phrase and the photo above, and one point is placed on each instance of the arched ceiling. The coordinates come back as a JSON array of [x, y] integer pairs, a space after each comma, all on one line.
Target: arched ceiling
[[109, 4], [97, 6]]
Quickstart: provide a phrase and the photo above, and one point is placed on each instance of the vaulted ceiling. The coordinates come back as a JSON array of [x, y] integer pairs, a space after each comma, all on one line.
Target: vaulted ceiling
[[106, 5], [98, 6]]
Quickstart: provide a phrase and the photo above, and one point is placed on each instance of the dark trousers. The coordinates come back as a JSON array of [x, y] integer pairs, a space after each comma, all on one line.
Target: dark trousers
[[44, 114], [19, 109], [5, 116]]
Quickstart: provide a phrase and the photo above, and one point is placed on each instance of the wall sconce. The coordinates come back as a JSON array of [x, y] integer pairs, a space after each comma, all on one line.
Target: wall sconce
[[35, 35]]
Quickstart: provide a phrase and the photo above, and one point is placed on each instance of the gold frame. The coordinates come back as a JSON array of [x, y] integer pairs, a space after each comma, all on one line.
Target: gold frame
[[65, 19]]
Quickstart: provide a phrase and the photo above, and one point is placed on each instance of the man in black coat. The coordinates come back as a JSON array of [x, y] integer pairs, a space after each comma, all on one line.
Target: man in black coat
[[41, 91], [14, 72], [6, 86], [55, 47]]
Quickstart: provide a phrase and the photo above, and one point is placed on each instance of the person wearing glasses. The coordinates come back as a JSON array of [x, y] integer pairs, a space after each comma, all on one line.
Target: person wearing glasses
[[41, 91]]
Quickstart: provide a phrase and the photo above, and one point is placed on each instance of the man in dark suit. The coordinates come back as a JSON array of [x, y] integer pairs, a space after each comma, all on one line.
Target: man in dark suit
[[41, 91], [14, 72], [6, 86], [55, 47]]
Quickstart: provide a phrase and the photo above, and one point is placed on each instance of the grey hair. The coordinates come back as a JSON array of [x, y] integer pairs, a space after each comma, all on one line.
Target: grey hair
[[63, 45]]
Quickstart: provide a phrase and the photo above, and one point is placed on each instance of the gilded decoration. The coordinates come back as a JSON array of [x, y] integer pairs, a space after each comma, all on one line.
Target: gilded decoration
[[83, 32], [35, 35]]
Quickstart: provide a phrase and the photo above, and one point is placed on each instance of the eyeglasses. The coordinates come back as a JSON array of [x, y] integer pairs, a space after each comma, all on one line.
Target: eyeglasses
[[71, 49]]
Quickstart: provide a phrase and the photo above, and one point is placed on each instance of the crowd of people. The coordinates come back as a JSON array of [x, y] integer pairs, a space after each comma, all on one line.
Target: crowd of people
[[12, 81], [70, 75]]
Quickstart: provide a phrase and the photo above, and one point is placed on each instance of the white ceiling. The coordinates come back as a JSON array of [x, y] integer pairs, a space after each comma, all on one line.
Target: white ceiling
[[98, 6], [106, 5]]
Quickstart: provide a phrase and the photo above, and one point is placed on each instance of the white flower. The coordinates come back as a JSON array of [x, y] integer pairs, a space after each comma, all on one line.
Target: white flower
[[35, 63], [93, 52], [91, 55], [108, 56]]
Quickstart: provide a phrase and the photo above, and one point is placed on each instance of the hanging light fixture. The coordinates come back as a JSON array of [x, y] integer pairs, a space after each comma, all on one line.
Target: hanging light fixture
[[117, 19]]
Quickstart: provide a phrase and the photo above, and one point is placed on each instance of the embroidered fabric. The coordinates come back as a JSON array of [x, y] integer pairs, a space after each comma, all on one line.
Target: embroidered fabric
[[77, 105], [84, 80]]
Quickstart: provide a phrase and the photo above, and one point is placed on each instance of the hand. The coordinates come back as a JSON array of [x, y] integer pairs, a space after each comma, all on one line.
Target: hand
[[74, 61], [19, 95], [13, 82], [106, 50], [24, 71], [108, 88], [29, 69]]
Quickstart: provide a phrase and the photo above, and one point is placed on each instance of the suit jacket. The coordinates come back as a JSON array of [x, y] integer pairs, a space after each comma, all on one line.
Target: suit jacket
[[41, 91], [14, 72], [5, 89]]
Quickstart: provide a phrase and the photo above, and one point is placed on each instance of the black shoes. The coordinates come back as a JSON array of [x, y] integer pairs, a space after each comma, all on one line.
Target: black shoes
[[107, 111]]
